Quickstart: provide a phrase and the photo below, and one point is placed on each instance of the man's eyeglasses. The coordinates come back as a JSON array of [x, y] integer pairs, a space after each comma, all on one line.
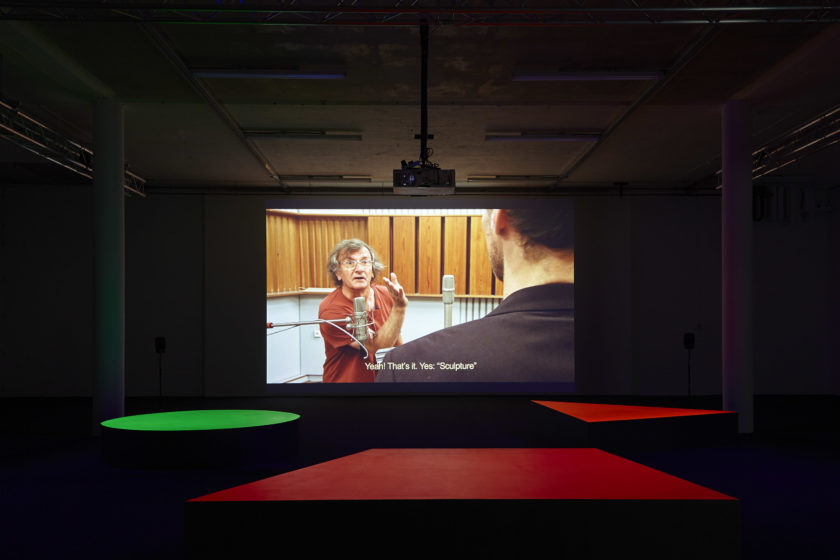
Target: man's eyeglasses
[[350, 263]]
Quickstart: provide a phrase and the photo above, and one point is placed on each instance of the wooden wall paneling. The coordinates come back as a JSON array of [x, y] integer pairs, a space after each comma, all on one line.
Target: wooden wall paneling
[[327, 238], [481, 275], [402, 260], [297, 250], [355, 228], [280, 242], [281, 254], [318, 236], [379, 237], [288, 255], [323, 238], [278, 224], [455, 251], [270, 259], [429, 248], [307, 255], [270, 256], [313, 252], [337, 233], [290, 260], [358, 229], [305, 252]]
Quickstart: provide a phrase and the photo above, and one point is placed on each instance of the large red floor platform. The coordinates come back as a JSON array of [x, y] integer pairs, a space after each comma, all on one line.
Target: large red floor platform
[[583, 503], [596, 412], [471, 474]]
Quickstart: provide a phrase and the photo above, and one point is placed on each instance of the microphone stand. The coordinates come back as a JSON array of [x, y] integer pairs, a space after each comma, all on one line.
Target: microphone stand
[[447, 290]]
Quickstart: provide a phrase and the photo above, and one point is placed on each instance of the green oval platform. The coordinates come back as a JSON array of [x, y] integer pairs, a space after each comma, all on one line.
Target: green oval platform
[[199, 438]]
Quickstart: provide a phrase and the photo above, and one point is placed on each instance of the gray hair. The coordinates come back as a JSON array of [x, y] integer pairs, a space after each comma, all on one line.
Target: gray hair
[[348, 246]]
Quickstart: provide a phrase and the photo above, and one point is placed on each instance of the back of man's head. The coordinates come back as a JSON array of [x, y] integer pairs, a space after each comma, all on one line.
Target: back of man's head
[[552, 226]]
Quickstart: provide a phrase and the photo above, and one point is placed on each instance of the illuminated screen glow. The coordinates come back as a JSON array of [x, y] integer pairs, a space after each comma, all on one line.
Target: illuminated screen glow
[[420, 246]]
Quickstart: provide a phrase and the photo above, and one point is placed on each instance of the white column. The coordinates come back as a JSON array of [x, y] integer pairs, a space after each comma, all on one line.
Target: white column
[[108, 177], [736, 236]]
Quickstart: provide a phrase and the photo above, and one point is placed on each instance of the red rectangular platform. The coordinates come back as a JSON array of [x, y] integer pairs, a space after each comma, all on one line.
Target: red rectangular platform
[[597, 412], [581, 502], [619, 428]]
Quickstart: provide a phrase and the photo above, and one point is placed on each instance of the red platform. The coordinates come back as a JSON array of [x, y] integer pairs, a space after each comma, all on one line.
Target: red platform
[[471, 474], [584, 503], [594, 412], [619, 428]]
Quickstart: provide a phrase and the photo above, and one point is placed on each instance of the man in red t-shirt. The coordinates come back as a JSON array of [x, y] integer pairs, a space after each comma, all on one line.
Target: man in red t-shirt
[[352, 263]]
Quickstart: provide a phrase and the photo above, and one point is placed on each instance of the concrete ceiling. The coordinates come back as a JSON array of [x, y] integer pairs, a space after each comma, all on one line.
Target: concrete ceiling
[[654, 133]]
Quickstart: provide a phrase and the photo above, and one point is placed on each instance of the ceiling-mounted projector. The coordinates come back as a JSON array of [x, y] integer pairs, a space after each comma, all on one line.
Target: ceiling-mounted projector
[[423, 177], [424, 180]]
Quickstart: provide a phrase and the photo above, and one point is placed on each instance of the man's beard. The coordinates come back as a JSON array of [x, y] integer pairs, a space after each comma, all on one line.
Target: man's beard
[[497, 259]]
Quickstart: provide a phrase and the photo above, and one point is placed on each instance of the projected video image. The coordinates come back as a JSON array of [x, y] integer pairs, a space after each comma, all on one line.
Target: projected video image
[[420, 296]]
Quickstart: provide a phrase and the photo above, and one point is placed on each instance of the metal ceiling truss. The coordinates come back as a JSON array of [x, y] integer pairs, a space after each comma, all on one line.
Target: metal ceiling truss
[[806, 139], [813, 136], [30, 134], [434, 12]]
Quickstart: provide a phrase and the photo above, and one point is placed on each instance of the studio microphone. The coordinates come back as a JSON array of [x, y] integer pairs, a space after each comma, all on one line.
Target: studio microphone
[[448, 291], [360, 321]]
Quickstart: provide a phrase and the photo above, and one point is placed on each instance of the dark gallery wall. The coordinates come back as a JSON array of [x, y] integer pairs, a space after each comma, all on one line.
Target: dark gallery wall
[[165, 295], [46, 291], [797, 304], [647, 271]]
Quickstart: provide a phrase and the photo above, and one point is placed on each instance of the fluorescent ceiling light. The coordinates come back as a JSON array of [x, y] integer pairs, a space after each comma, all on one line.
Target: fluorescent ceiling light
[[483, 178], [303, 134], [256, 74], [326, 178], [591, 76], [541, 137]]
